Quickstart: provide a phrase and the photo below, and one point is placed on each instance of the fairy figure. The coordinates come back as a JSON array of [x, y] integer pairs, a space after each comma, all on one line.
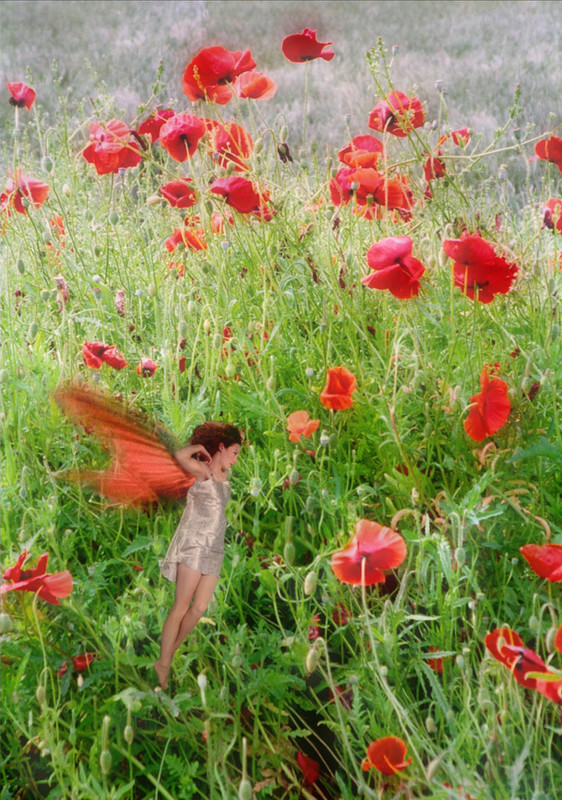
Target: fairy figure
[[143, 471]]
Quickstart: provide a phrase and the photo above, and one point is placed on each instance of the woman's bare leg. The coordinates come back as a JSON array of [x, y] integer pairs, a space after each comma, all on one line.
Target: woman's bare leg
[[201, 600], [187, 580]]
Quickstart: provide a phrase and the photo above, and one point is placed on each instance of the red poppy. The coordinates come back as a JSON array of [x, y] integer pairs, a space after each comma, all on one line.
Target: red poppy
[[111, 148], [177, 267], [181, 134], [255, 85], [341, 615], [553, 214], [96, 353], [398, 114], [362, 151], [313, 629], [23, 96], [340, 385], [381, 547], [461, 136], [394, 267], [191, 239], [146, 367], [304, 47], [179, 194], [341, 190], [209, 75], [558, 639], [299, 424], [34, 191], [478, 271], [239, 193], [550, 150], [231, 144], [489, 409], [373, 188], [434, 167], [387, 755], [152, 126], [81, 663], [436, 664], [310, 768], [48, 586], [545, 560]]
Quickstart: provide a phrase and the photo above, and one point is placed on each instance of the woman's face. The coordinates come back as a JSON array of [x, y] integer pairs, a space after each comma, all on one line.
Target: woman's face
[[228, 455]]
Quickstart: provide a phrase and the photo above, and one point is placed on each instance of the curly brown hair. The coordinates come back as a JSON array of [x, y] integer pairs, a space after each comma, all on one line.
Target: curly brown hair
[[211, 434]]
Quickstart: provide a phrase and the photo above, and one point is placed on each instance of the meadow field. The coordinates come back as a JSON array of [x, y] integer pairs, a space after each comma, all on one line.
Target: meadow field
[[376, 246]]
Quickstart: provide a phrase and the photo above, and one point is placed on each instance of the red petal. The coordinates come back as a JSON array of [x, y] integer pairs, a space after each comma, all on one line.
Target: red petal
[[545, 560]]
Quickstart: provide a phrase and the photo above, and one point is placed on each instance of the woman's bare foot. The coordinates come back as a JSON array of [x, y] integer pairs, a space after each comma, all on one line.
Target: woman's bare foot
[[162, 673]]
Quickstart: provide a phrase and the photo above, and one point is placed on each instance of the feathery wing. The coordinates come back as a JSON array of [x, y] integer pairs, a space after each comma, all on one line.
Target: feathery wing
[[142, 470]]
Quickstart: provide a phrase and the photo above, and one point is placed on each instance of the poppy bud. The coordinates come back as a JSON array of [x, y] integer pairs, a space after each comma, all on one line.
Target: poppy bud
[[289, 553], [245, 790], [309, 372], [534, 624], [80, 681], [202, 683], [128, 734], [324, 439], [114, 218], [312, 658], [207, 326], [21, 266], [310, 583], [294, 477], [105, 761], [430, 725], [66, 190], [310, 504], [460, 662], [270, 384], [549, 639], [152, 291], [230, 370], [5, 624], [236, 661], [106, 722], [460, 556], [47, 164], [258, 145], [154, 200], [41, 694], [314, 144]]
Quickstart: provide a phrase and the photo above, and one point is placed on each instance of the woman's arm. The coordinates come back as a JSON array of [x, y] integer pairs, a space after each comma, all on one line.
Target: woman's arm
[[200, 469]]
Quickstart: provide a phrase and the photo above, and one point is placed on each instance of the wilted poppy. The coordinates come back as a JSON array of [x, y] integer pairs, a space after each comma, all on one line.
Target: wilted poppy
[[553, 214], [82, 662], [231, 144], [96, 353], [394, 267], [152, 126], [239, 193], [255, 86], [34, 191], [111, 147], [550, 150], [386, 755], [380, 547], [22, 95], [48, 586], [179, 194], [299, 424], [489, 409], [181, 134], [340, 385], [362, 151], [303, 47], [398, 114], [478, 271], [209, 75], [545, 560], [310, 768], [191, 239], [146, 367]]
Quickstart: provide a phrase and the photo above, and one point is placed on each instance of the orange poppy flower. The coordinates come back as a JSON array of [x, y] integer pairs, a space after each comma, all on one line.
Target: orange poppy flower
[[478, 271], [340, 385], [96, 353], [398, 114], [362, 151], [146, 367], [181, 134], [545, 560], [558, 639], [47, 586], [299, 424], [386, 755], [550, 150], [34, 191], [489, 409], [191, 239], [380, 547], [255, 86], [231, 144], [110, 148], [211, 73]]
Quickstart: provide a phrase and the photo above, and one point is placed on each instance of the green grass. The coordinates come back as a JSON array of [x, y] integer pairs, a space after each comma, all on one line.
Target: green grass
[[398, 456]]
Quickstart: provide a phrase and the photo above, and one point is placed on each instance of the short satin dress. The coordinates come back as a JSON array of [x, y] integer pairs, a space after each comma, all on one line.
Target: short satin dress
[[199, 538]]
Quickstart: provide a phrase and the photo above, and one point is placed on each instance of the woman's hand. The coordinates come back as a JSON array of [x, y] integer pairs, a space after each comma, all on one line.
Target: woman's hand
[[196, 466]]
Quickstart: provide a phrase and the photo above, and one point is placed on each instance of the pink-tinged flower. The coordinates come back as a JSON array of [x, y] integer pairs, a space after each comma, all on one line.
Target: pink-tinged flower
[[34, 191], [146, 367], [240, 194], [545, 560], [120, 302], [340, 385], [304, 47], [179, 194], [313, 629], [489, 409], [478, 271], [299, 424], [48, 586], [255, 86], [96, 353], [231, 144], [82, 662], [218, 220], [22, 95], [341, 190], [181, 134], [152, 126], [111, 148], [398, 114], [386, 755], [528, 669], [550, 150], [394, 267], [210, 74], [362, 151], [191, 239], [553, 214], [310, 768], [379, 547]]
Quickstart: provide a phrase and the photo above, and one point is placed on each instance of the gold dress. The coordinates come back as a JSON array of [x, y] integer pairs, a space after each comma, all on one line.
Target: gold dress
[[199, 538]]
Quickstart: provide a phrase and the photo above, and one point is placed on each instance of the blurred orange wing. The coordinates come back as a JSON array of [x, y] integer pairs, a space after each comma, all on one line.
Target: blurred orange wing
[[142, 470]]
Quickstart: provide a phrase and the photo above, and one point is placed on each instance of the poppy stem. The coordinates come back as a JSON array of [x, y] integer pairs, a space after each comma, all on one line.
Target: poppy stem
[[305, 104]]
